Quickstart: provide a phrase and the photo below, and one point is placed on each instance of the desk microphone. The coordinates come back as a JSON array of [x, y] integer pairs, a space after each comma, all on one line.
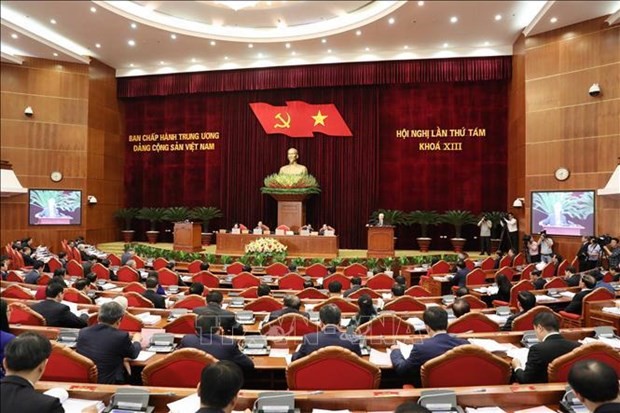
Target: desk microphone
[[281, 395]]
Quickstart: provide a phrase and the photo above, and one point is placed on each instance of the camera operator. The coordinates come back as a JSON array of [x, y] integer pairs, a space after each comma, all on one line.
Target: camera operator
[[582, 253], [546, 247], [613, 253], [513, 231], [485, 225], [594, 255], [532, 250]]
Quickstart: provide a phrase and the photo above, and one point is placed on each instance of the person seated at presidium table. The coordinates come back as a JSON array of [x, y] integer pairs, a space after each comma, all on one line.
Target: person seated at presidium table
[[596, 385], [261, 227], [326, 227], [55, 313], [292, 304], [226, 318]]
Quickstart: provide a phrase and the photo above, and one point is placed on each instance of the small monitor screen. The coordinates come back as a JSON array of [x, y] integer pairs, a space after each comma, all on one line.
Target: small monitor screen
[[563, 213], [55, 207]]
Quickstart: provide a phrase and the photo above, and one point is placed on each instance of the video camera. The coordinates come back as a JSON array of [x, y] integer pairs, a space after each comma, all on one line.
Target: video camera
[[602, 240], [543, 233]]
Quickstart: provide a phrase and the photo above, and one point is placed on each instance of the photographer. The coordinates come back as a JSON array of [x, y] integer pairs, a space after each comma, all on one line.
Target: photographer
[[532, 250], [593, 253], [613, 253], [513, 231], [546, 247], [485, 225]]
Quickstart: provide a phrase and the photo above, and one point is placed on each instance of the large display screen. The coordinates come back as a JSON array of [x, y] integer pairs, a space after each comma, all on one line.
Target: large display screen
[[563, 213], [54, 207]]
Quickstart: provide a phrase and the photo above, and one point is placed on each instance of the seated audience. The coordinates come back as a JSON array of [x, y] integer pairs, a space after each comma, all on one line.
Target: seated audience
[[400, 280], [552, 345], [151, 293], [460, 277], [587, 285], [596, 385], [460, 307], [525, 302], [366, 313], [83, 284], [335, 289], [4, 267], [196, 288], [25, 359], [436, 321], [292, 304], [208, 338], [356, 284], [411, 407], [503, 294], [33, 276], [247, 268], [308, 284], [218, 388], [226, 318], [204, 266], [62, 257], [571, 277], [329, 336], [398, 290], [537, 279], [598, 276], [127, 255], [498, 257], [615, 273], [59, 278], [462, 291], [29, 261], [263, 290], [5, 333], [55, 313], [107, 346]]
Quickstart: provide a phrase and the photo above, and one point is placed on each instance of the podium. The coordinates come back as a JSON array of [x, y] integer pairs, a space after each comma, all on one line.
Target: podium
[[187, 237], [380, 242], [291, 210]]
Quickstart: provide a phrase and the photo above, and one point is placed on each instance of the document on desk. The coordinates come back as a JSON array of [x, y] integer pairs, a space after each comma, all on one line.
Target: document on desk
[[148, 318], [519, 354], [567, 294], [190, 403], [499, 319], [418, 325], [543, 298], [613, 342], [491, 345], [537, 409], [330, 411], [484, 410], [612, 310], [144, 355], [344, 322], [379, 358], [405, 349]]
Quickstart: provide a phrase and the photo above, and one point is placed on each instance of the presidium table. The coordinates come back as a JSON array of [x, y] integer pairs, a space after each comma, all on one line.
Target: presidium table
[[297, 245]]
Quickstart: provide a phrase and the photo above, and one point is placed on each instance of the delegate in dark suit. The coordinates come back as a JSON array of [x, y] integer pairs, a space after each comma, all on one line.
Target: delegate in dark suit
[[460, 277], [157, 300], [508, 325], [227, 318], [32, 277], [351, 290], [58, 315], [421, 353], [107, 346], [330, 336], [576, 303], [540, 355], [18, 395], [222, 348], [539, 283], [274, 315]]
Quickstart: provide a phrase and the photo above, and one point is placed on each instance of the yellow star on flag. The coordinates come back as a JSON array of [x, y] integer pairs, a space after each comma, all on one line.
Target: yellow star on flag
[[319, 119]]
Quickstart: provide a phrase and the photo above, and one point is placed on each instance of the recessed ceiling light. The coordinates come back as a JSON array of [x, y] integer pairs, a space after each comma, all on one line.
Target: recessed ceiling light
[[553, 20], [14, 36], [193, 60], [293, 53], [391, 20], [134, 26], [225, 57], [212, 42], [486, 43], [131, 42], [55, 54], [161, 62], [323, 40], [288, 45], [93, 10], [454, 19], [367, 49], [173, 36], [420, 3], [405, 47], [260, 55], [358, 32], [329, 50], [498, 17], [250, 45], [98, 45], [445, 45], [53, 21], [130, 64]]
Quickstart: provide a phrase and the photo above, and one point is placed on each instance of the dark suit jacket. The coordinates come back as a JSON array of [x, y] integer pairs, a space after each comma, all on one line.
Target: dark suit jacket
[[539, 283], [32, 277], [608, 408], [460, 277], [351, 290], [539, 357], [286, 310], [222, 348], [227, 318], [107, 346], [576, 303], [157, 300], [421, 353], [330, 336], [573, 280], [18, 395], [58, 315], [509, 320]]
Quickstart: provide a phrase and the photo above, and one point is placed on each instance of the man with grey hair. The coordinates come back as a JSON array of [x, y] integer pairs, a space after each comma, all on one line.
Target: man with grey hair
[[107, 346], [292, 304]]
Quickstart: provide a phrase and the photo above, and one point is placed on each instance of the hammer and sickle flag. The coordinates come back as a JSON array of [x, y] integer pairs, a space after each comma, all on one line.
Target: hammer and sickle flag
[[299, 119]]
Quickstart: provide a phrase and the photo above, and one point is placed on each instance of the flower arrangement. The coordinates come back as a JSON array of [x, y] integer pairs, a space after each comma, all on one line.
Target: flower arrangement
[[290, 184], [265, 246]]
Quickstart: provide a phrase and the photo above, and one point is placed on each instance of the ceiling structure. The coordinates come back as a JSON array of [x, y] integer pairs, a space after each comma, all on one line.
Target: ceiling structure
[[154, 37]]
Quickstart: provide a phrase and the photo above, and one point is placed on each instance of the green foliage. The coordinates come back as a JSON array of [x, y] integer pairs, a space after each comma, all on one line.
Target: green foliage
[[424, 219], [391, 216], [355, 260], [176, 214], [388, 262], [336, 262], [246, 259], [206, 215], [126, 215], [372, 264], [298, 261], [458, 218], [260, 259], [210, 258], [279, 257], [290, 184], [403, 260], [153, 215], [225, 259]]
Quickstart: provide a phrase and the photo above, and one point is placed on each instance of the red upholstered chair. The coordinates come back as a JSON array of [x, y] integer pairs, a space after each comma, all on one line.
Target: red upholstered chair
[[405, 303], [54, 264], [251, 292], [277, 269], [332, 368], [185, 324], [130, 323], [76, 296], [75, 269], [607, 278], [317, 271], [570, 320], [265, 303], [385, 325], [75, 254], [548, 271], [290, 325], [283, 227], [207, 279], [20, 313], [344, 305], [474, 322], [575, 263], [356, 269], [100, 271], [135, 287], [139, 261], [343, 279], [380, 282], [523, 285], [12, 276], [417, 291], [115, 261], [40, 294], [476, 277], [194, 267], [474, 302], [127, 274], [506, 261], [291, 281], [440, 267], [558, 369], [507, 271], [44, 279], [310, 293], [67, 365], [135, 299], [525, 321], [234, 268], [364, 290], [470, 264], [561, 268], [17, 291], [488, 263], [466, 365], [190, 302], [159, 263], [245, 280], [555, 282], [519, 260], [167, 277], [181, 368], [527, 271]]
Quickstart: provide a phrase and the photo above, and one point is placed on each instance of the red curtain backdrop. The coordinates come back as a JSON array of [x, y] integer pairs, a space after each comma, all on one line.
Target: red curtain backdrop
[[371, 170]]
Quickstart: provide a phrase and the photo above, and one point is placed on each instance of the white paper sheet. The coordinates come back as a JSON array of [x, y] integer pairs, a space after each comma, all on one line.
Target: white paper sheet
[[491, 345], [418, 325], [484, 410], [144, 355], [537, 409], [567, 294], [379, 358], [519, 353], [405, 349], [190, 403]]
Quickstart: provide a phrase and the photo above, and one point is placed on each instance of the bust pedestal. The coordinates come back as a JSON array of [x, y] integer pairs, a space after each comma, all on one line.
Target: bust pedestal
[[291, 210]]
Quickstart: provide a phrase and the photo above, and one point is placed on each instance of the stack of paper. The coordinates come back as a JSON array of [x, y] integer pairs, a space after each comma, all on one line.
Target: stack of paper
[[379, 358], [405, 349], [148, 318], [491, 345], [418, 325], [108, 286], [144, 355], [499, 319], [613, 342], [74, 405], [542, 297], [519, 354], [491, 289], [190, 403], [344, 322], [567, 294], [611, 310], [484, 410]]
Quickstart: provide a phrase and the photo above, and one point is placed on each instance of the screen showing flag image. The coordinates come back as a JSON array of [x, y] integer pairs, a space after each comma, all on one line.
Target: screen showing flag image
[[563, 213], [54, 207]]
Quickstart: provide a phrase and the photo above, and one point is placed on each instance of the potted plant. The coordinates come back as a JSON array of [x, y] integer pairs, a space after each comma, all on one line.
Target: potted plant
[[127, 215], [424, 219], [175, 214], [372, 264], [298, 262], [153, 215], [458, 218], [205, 214], [388, 262], [390, 216], [225, 260]]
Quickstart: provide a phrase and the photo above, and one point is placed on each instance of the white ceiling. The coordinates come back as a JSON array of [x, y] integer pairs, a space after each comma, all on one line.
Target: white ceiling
[[211, 36]]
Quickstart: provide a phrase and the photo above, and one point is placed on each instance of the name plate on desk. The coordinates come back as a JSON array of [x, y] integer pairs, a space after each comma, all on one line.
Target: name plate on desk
[[257, 232], [236, 231], [329, 233], [266, 232], [290, 232], [304, 232], [245, 231], [279, 232], [314, 233]]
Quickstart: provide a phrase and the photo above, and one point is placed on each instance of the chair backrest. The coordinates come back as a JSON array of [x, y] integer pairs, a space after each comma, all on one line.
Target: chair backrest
[[127, 274], [440, 267], [476, 277], [466, 365], [405, 303], [380, 282], [527, 271], [599, 294], [332, 368], [555, 282], [75, 254], [291, 281], [559, 368], [548, 271], [561, 268], [159, 263], [290, 325], [364, 290], [488, 263], [135, 287], [417, 291], [54, 264], [167, 277], [139, 261], [75, 269], [251, 292], [245, 280], [506, 261], [507, 271], [100, 271], [523, 285], [17, 291], [194, 267], [234, 268], [575, 263], [265, 303], [135, 299], [44, 279], [525, 322], [190, 302], [181, 368], [207, 279], [76, 296], [20, 313], [355, 269], [277, 269], [470, 264], [341, 278], [474, 322], [115, 261], [317, 270], [14, 277], [474, 302], [185, 324], [518, 260], [341, 303], [67, 365], [311, 293], [130, 323], [385, 325]]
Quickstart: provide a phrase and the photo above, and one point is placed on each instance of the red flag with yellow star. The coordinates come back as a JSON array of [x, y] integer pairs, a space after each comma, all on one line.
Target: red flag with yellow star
[[299, 119]]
